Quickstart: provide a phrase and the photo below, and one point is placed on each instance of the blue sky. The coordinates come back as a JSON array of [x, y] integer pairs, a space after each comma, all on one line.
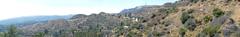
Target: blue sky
[[18, 8]]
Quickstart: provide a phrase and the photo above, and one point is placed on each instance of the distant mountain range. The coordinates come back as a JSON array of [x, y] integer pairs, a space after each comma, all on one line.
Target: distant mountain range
[[26, 20]]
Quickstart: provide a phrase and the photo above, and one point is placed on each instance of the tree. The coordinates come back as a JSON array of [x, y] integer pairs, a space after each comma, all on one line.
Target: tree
[[11, 31], [39, 34], [2, 34]]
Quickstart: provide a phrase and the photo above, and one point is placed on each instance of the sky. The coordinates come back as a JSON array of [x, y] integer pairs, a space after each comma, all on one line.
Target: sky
[[19, 8]]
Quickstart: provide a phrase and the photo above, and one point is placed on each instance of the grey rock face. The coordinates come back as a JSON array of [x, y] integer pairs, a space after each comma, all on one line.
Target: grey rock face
[[229, 28], [220, 20]]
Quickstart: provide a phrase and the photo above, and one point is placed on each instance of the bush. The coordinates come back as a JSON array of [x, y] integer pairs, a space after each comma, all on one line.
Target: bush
[[171, 10], [131, 34], [182, 31], [203, 0], [168, 11], [207, 18], [185, 16], [11, 31], [39, 34], [227, 1], [2, 34], [190, 11], [218, 12], [194, 1], [238, 24], [211, 30], [201, 35]]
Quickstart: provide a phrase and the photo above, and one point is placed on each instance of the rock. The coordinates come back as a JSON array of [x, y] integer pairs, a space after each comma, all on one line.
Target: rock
[[220, 20], [229, 28]]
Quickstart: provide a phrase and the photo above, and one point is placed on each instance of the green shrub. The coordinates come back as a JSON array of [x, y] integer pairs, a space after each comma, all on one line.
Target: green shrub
[[201, 35], [131, 34], [171, 10], [238, 24], [228, 1], [86, 34], [207, 18], [158, 34], [185, 16], [2, 34], [167, 11], [203, 0], [218, 12], [39, 34], [190, 11], [194, 1], [182, 31], [11, 31], [211, 30]]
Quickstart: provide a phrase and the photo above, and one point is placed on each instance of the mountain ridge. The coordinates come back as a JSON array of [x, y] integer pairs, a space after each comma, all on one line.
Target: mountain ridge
[[183, 18]]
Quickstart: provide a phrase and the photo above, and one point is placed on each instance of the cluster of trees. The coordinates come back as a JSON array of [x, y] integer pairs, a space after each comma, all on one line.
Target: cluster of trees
[[11, 32]]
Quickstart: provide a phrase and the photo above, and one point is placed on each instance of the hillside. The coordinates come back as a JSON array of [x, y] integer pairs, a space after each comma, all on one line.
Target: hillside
[[28, 20], [183, 18], [31, 19]]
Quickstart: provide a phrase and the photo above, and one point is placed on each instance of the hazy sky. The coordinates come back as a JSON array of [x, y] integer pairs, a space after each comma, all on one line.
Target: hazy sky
[[18, 8]]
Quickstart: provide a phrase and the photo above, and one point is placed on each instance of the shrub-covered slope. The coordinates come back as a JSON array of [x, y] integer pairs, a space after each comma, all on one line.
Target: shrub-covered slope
[[184, 18]]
